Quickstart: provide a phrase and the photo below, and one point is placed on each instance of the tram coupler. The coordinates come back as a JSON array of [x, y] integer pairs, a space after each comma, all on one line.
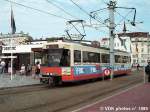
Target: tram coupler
[[51, 79]]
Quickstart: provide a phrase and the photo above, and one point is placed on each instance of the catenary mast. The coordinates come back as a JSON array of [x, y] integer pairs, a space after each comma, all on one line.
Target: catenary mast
[[111, 7]]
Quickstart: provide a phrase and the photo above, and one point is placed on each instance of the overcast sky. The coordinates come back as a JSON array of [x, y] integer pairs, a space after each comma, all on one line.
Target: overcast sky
[[39, 24]]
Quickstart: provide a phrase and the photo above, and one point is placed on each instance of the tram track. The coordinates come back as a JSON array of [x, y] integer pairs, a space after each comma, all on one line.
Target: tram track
[[69, 105], [22, 89], [95, 96], [77, 99]]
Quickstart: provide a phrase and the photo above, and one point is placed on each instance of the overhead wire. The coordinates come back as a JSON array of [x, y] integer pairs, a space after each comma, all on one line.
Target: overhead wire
[[41, 11], [137, 27], [88, 13], [58, 16], [80, 7], [52, 3], [123, 17]]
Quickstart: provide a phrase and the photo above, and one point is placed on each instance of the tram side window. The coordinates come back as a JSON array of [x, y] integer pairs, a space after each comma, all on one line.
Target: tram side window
[[122, 59], [118, 59], [126, 59], [85, 56], [91, 57], [105, 58], [129, 59], [77, 56], [94, 57]]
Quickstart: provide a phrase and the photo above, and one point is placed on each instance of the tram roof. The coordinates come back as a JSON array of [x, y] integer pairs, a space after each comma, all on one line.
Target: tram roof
[[83, 43]]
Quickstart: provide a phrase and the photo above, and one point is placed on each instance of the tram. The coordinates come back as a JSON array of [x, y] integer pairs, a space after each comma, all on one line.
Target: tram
[[68, 61]]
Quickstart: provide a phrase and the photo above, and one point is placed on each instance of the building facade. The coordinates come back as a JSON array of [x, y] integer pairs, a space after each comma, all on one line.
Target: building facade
[[120, 43], [140, 47], [20, 45], [15, 39], [138, 43]]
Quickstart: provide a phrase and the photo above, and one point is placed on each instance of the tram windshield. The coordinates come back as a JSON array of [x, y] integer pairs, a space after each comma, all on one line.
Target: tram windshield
[[56, 58]]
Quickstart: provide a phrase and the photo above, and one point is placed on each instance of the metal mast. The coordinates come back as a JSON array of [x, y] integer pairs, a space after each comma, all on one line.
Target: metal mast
[[111, 7]]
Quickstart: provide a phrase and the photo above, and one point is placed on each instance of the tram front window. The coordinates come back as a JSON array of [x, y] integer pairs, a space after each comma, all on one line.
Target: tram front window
[[57, 58]]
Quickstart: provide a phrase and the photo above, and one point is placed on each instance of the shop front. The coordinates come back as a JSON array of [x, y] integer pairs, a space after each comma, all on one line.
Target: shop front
[[21, 54]]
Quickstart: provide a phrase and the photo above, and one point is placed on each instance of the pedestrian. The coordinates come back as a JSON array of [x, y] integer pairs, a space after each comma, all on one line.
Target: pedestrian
[[22, 70], [29, 69], [3, 66], [138, 66], [147, 71], [9, 67], [14, 67], [6, 67], [37, 69], [0, 69]]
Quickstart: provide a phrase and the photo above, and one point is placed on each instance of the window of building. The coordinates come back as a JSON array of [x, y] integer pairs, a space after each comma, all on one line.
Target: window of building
[[142, 49], [134, 61], [148, 50], [134, 56], [38, 56], [142, 44], [118, 44], [143, 61]]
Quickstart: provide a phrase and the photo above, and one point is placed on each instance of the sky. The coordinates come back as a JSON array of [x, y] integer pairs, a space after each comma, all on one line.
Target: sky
[[43, 25]]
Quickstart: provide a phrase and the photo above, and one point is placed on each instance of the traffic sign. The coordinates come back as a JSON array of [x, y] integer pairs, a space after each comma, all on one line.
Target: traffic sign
[[107, 72]]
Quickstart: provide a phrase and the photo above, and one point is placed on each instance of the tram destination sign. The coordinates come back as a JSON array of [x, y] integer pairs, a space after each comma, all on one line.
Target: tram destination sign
[[52, 46]]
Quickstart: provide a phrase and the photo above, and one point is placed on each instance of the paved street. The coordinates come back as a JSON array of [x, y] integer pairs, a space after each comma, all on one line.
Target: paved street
[[64, 98]]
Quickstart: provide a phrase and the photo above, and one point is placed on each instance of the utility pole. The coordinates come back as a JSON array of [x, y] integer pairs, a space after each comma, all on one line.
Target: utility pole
[[111, 7]]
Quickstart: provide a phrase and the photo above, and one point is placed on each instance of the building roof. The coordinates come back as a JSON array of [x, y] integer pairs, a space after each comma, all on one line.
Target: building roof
[[105, 39], [135, 34], [14, 35]]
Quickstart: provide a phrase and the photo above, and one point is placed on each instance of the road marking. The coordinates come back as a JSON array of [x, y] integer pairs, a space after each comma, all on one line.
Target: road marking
[[84, 107]]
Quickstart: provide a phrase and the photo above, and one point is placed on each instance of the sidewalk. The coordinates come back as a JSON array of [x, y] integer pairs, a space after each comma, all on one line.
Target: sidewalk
[[17, 80]]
